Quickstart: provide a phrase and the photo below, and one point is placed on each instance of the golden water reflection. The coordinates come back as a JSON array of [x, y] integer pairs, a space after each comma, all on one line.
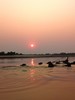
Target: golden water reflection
[[32, 62], [32, 74]]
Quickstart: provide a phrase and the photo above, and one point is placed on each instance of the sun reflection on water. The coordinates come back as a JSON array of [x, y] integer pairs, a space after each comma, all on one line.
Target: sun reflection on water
[[32, 74], [32, 62]]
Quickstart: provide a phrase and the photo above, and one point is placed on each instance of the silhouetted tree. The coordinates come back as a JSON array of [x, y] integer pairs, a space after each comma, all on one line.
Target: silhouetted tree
[[2, 53]]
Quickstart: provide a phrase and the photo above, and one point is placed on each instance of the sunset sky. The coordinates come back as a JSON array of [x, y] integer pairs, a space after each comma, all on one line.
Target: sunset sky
[[49, 25]]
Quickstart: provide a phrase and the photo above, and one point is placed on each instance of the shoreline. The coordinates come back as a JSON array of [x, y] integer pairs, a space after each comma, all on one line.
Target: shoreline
[[33, 56]]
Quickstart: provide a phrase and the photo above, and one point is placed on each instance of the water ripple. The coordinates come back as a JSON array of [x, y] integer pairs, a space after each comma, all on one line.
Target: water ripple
[[22, 79]]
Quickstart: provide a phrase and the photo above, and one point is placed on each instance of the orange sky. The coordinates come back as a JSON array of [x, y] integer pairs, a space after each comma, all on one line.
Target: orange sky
[[50, 24]]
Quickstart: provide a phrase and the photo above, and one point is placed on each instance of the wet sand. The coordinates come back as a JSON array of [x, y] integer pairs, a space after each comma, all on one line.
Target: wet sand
[[37, 83]]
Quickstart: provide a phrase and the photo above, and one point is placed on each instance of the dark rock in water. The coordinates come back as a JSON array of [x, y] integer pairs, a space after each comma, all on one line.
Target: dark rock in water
[[58, 62], [68, 64], [66, 61], [40, 63], [73, 63], [23, 65], [50, 64]]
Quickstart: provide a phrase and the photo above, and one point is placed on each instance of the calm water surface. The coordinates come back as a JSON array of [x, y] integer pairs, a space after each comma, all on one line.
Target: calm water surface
[[31, 61], [13, 77]]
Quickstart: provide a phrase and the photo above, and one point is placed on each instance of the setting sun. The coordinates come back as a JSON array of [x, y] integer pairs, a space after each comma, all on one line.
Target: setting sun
[[32, 45]]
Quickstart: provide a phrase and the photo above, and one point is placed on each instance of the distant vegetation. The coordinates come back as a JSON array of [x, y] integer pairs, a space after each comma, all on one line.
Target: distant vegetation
[[38, 55], [10, 53], [61, 54]]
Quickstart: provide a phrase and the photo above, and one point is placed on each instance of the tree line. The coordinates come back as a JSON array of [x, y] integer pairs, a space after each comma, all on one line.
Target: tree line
[[47, 54], [9, 53]]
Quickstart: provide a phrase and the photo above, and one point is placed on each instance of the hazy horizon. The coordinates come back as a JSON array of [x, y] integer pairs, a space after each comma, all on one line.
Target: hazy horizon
[[48, 24]]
